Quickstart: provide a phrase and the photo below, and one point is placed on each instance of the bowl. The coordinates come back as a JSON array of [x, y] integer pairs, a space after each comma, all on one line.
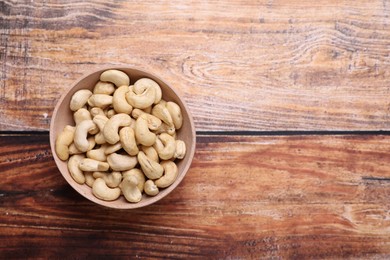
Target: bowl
[[62, 115]]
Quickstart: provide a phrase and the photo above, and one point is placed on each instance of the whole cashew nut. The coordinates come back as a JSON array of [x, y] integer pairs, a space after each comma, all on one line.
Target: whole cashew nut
[[164, 128], [112, 179], [175, 112], [165, 146], [141, 100], [113, 148], [96, 111], [98, 154], [161, 112], [144, 83], [64, 139], [81, 114], [119, 101], [110, 130], [89, 179], [80, 136], [103, 192], [106, 88], [153, 122], [142, 133], [73, 149], [119, 78], [138, 174], [91, 165], [100, 100], [151, 169], [100, 121], [130, 190], [127, 139], [121, 162], [74, 170], [170, 174], [79, 99], [151, 153], [150, 188], [180, 151]]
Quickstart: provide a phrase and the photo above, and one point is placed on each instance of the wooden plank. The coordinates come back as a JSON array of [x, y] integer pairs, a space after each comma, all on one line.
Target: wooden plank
[[244, 197], [240, 65]]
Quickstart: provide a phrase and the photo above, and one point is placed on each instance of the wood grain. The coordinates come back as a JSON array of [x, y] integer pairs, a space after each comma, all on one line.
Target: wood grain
[[244, 197], [241, 65]]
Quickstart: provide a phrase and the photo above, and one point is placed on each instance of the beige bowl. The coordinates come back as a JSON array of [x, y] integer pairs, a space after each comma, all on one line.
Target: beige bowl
[[62, 116]]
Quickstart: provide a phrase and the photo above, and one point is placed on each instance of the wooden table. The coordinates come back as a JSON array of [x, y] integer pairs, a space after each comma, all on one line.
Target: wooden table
[[292, 110]]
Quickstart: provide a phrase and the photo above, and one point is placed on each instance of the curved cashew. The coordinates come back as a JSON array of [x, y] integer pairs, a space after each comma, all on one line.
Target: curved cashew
[[150, 188], [127, 139], [80, 136], [164, 128], [117, 77], [141, 100], [112, 179], [96, 111], [180, 151], [144, 83], [170, 174], [100, 121], [121, 162], [64, 139], [89, 179], [130, 190], [110, 113], [103, 88], [142, 133], [153, 122], [73, 149], [98, 154], [113, 148], [161, 112], [110, 130], [79, 99], [91, 165], [81, 115], [175, 111], [100, 100], [119, 101], [151, 169], [138, 174], [103, 192], [165, 146], [151, 153], [74, 170]]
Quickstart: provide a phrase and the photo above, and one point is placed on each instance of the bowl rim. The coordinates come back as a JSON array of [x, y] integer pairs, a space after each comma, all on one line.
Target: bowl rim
[[190, 152]]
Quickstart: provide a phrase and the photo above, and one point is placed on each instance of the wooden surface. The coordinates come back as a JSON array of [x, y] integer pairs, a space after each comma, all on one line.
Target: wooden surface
[[270, 84]]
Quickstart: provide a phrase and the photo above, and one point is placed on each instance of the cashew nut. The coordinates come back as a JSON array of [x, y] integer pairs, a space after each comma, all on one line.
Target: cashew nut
[[170, 174], [127, 139], [161, 112], [165, 146], [100, 121], [119, 78], [151, 169], [137, 173], [141, 100], [130, 190], [92, 165], [180, 151], [121, 162], [79, 99], [112, 179], [64, 139], [164, 128], [153, 122], [144, 83], [110, 130], [98, 154], [104, 88], [175, 112], [100, 100], [89, 179], [103, 192], [142, 133], [80, 136], [113, 148], [74, 170], [119, 100], [150, 188], [110, 113], [96, 111], [73, 149], [151, 153], [81, 115]]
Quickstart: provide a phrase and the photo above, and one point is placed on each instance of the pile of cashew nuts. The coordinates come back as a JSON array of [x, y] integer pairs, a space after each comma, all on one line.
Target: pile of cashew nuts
[[121, 133]]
